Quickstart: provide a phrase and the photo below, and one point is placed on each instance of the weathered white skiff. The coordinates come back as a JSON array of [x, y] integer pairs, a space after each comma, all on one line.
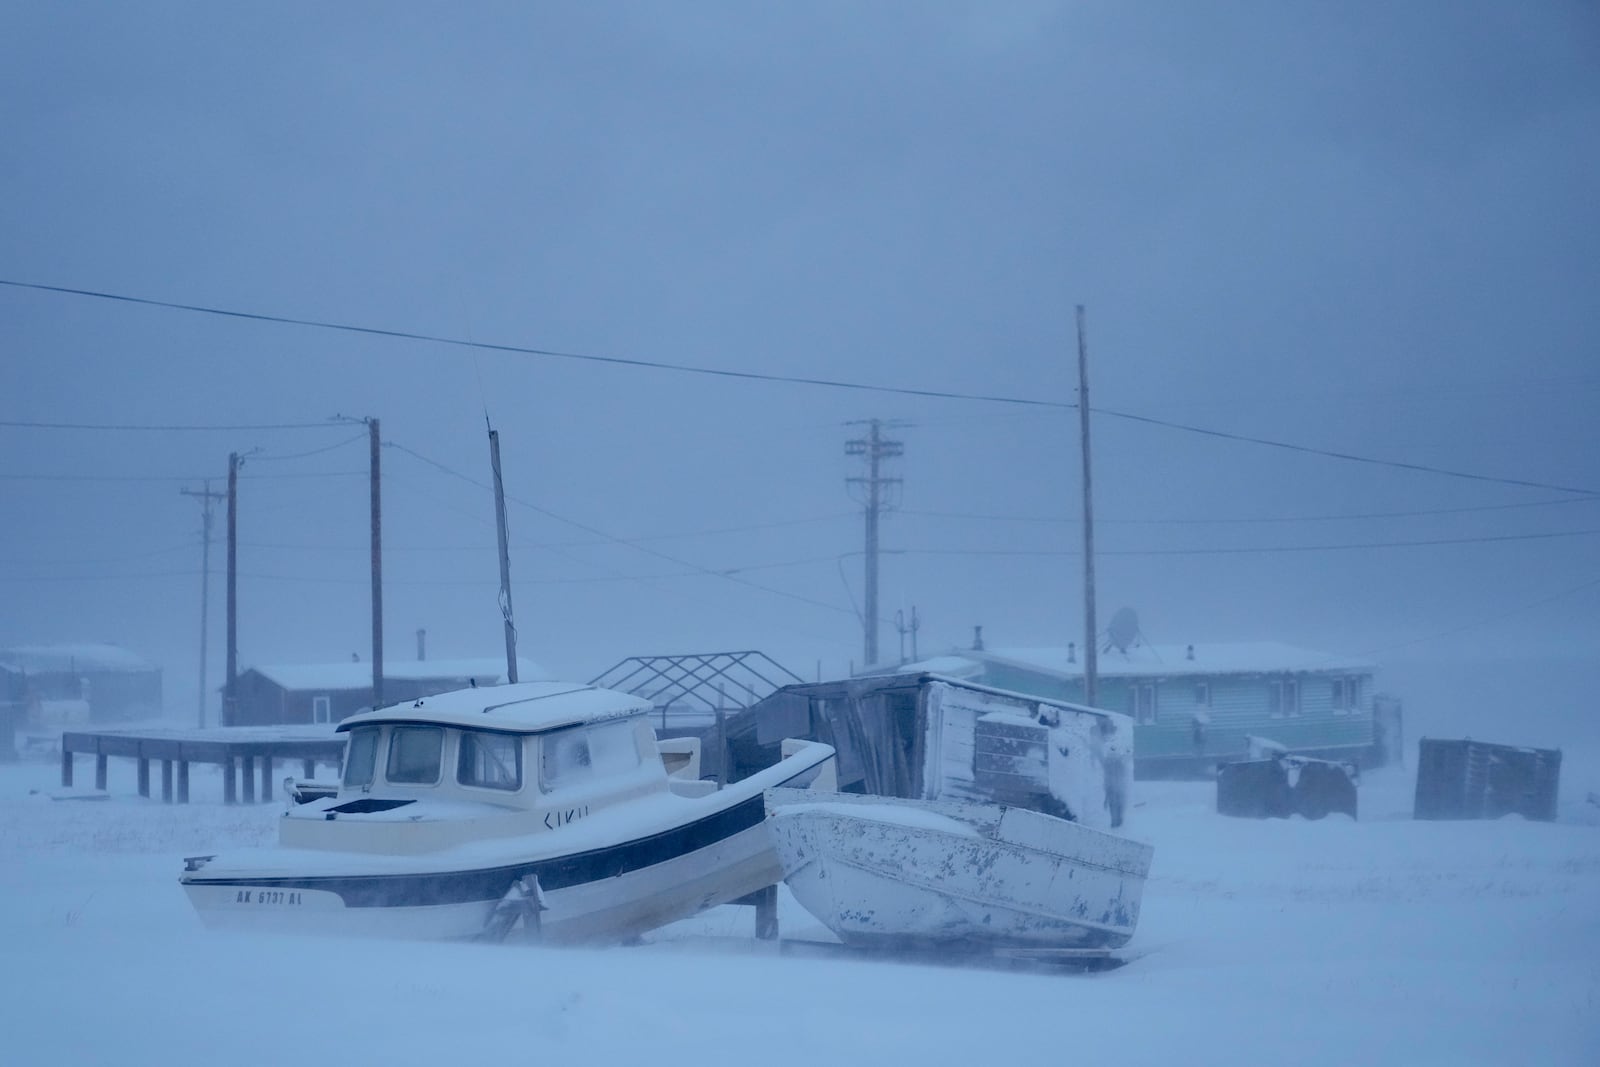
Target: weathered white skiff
[[882, 870]]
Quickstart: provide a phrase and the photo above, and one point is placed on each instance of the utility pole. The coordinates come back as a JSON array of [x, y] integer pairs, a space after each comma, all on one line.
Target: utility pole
[[505, 558], [229, 699], [900, 624], [377, 566], [875, 448], [205, 496], [1091, 679]]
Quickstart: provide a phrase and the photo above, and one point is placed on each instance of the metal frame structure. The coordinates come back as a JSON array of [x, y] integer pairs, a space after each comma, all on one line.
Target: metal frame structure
[[701, 678]]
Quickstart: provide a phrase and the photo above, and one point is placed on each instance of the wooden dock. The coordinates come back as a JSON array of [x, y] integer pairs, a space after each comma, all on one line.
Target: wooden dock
[[241, 751]]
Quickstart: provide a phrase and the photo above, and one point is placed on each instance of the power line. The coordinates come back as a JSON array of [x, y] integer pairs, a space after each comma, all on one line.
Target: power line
[[362, 436], [175, 477], [1348, 456], [408, 335], [618, 540], [1351, 517], [1479, 623], [161, 428], [722, 572], [522, 545], [695, 570], [1251, 551], [103, 561], [684, 368]]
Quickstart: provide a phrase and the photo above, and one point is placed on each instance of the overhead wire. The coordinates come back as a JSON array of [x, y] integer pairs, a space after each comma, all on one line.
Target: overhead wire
[[243, 476], [684, 368], [25, 424], [614, 539], [1253, 550], [269, 458], [1250, 520], [526, 350], [1480, 623]]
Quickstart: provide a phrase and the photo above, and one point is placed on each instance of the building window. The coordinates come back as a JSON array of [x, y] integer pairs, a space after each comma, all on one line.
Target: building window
[[321, 709], [1202, 694], [1346, 695], [1283, 698], [1142, 702]]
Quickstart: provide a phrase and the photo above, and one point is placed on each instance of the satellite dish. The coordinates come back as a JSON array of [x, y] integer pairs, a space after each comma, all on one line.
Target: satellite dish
[[1123, 631]]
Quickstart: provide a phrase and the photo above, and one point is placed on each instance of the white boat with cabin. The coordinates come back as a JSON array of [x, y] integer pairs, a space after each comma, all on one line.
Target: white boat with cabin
[[550, 803], [892, 872]]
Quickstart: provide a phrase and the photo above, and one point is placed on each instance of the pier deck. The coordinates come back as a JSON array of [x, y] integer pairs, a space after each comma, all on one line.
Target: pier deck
[[239, 750]]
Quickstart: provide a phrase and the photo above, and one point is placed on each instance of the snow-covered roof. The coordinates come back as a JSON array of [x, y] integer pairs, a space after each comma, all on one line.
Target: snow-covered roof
[[1250, 657], [949, 666], [72, 657], [354, 675], [526, 707]]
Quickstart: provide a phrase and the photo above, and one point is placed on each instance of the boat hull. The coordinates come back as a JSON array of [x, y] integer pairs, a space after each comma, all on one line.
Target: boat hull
[[878, 870], [607, 893]]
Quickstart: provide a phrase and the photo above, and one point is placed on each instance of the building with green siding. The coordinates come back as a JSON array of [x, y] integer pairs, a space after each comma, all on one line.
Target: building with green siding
[[1196, 705]]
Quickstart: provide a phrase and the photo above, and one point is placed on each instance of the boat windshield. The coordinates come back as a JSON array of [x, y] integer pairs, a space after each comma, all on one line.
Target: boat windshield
[[584, 753], [361, 756], [490, 761], [414, 753]]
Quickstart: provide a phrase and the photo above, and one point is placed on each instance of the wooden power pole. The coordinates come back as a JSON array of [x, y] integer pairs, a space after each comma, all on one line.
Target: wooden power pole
[[205, 496], [377, 565], [875, 449], [229, 698], [1090, 641], [505, 557]]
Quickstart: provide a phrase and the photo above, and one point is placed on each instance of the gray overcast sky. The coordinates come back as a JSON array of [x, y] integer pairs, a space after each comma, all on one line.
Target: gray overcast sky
[[1359, 227]]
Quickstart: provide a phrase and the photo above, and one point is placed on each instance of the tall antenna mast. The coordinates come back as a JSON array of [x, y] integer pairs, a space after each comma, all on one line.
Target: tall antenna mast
[[505, 558], [1090, 642]]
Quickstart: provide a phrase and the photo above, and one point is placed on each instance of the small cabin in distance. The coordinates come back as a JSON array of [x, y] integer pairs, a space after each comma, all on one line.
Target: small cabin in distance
[[82, 683], [301, 694]]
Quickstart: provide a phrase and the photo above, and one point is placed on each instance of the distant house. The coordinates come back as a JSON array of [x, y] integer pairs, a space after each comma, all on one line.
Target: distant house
[[99, 683], [13, 709], [329, 692], [1196, 704]]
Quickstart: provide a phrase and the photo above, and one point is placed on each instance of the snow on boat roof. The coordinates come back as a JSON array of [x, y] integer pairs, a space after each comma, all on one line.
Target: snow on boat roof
[[526, 707], [1251, 657], [354, 675]]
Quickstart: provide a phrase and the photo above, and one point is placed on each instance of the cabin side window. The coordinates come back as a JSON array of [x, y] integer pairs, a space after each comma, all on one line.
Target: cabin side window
[[571, 757], [414, 753], [1142, 702], [490, 761], [1283, 698], [361, 756], [1346, 695]]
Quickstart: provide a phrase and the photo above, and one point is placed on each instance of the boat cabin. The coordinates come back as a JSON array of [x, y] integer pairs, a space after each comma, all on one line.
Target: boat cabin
[[458, 766], [926, 736]]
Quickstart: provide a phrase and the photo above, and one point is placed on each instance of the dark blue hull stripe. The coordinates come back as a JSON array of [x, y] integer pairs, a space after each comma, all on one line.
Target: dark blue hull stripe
[[490, 884]]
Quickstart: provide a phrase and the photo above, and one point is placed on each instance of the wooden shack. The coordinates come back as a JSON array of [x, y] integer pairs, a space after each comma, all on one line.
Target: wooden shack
[[293, 694]]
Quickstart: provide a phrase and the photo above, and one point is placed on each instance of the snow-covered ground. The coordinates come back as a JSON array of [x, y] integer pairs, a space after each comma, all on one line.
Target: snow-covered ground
[[1383, 941]]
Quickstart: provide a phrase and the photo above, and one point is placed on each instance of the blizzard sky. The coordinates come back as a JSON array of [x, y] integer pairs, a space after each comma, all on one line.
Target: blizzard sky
[[1366, 228]]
